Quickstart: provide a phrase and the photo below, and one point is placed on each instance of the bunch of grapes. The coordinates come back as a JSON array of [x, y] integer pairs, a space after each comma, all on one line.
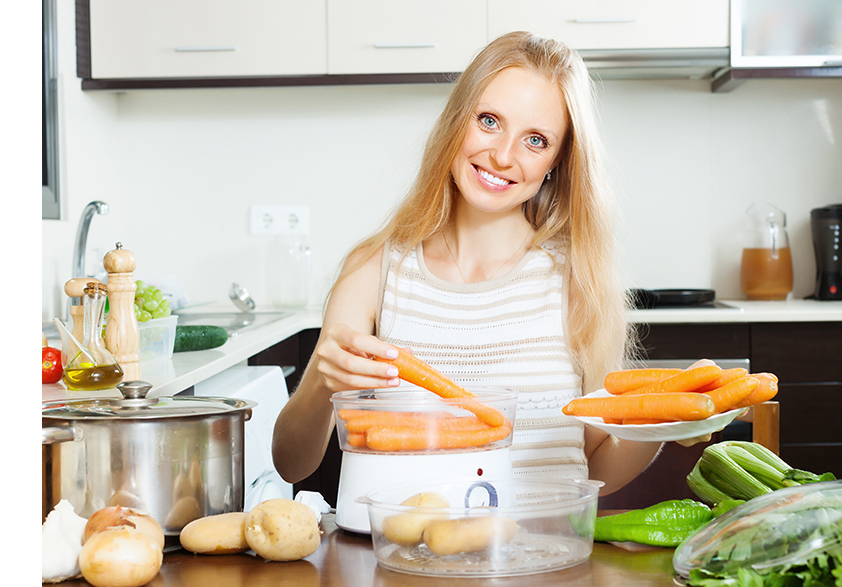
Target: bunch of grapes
[[149, 302]]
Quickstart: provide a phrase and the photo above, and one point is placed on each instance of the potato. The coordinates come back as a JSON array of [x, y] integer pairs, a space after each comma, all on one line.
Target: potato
[[407, 529], [218, 534], [471, 534], [282, 530]]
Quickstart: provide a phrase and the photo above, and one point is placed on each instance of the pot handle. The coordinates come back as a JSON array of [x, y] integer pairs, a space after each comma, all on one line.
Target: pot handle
[[247, 415], [57, 434]]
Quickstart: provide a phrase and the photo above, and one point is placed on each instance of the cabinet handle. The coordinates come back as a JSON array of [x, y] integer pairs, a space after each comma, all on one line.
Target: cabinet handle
[[833, 62], [607, 20], [404, 45], [204, 48]]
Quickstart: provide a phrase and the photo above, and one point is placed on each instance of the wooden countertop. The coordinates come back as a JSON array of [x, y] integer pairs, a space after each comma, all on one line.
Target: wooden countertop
[[346, 559]]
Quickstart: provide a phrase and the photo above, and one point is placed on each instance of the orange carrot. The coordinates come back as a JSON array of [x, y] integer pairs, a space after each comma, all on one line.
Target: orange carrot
[[613, 420], [686, 381], [356, 439], [726, 377], [656, 406], [636, 421], [619, 382], [729, 395], [766, 389], [397, 438], [416, 371], [348, 414], [364, 423]]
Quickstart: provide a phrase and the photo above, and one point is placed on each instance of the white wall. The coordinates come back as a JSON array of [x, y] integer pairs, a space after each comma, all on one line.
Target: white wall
[[180, 170]]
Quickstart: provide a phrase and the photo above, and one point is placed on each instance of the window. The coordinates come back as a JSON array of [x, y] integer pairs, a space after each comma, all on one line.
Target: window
[[49, 115]]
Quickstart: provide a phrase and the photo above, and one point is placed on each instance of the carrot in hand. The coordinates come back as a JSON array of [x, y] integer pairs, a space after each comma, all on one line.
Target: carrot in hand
[[417, 372], [726, 377], [728, 396], [655, 406], [619, 382], [766, 389], [396, 438], [688, 380]]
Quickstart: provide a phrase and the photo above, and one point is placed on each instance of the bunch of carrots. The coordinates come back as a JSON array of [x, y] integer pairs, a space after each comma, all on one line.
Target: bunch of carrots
[[652, 396], [389, 431]]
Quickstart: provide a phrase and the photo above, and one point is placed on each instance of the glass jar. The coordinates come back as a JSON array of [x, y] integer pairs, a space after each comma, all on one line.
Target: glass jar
[[766, 267]]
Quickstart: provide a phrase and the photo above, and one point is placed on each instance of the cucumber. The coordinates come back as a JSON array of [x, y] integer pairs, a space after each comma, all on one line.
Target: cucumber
[[198, 337]]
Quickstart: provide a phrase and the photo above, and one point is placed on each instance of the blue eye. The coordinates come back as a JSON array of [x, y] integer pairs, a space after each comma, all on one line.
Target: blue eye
[[537, 141], [487, 120]]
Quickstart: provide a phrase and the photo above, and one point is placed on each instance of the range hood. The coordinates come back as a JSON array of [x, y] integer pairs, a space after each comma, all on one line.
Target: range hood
[[619, 64]]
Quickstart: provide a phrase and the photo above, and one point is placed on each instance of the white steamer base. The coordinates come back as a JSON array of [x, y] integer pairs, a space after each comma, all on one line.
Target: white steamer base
[[362, 473]]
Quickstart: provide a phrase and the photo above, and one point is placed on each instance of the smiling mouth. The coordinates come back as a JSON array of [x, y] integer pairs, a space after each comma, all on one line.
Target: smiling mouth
[[492, 179]]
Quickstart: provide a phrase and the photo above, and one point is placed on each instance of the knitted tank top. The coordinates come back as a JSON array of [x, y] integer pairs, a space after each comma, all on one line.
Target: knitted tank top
[[506, 332]]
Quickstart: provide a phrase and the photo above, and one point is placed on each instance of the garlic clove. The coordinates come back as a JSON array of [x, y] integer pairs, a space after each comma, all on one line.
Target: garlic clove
[[62, 535]]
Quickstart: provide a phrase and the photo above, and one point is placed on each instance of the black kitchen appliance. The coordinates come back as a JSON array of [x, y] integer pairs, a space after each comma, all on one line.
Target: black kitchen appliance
[[825, 223]]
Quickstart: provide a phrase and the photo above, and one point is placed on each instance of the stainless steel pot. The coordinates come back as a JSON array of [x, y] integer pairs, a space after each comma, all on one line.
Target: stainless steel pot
[[178, 458]]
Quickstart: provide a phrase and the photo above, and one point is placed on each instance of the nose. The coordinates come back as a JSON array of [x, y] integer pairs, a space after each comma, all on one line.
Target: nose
[[503, 152]]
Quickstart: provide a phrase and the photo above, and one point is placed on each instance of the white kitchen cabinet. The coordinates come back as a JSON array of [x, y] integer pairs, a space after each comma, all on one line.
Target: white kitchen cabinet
[[206, 38], [403, 36], [616, 24]]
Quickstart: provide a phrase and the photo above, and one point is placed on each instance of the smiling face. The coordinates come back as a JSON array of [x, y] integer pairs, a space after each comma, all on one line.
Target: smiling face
[[513, 139]]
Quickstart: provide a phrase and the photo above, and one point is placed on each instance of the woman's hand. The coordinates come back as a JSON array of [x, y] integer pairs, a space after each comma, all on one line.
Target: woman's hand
[[344, 360]]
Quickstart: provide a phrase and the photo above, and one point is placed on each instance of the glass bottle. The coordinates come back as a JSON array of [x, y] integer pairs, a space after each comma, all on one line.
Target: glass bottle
[[766, 267], [92, 366]]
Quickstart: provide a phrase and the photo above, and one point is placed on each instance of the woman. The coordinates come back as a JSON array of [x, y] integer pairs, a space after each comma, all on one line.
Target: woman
[[497, 269]]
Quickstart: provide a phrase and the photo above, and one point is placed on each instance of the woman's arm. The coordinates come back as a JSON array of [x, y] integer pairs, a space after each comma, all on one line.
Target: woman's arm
[[341, 361], [616, 462]]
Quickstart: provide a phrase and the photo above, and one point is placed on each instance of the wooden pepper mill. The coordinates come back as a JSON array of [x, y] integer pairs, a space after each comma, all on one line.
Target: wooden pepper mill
[[122, 337], [75, 289]]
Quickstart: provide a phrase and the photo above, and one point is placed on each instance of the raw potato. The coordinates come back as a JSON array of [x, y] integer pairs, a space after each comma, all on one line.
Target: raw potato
[[282, 530], [219, 534], [407, 529], [471, 534]]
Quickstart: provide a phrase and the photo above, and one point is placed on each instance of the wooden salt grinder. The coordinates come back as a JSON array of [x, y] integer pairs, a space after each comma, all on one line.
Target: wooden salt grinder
[[122, 337], [75, 288]]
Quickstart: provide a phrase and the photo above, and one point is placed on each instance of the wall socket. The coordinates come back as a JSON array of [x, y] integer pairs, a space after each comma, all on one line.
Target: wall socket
[[280, 220]]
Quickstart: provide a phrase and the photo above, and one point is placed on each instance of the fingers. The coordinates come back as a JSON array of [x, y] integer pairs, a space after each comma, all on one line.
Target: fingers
[[344, 360], [688, 442]]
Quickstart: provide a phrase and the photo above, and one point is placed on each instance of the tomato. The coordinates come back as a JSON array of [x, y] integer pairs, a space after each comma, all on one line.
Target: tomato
[[50, 365]]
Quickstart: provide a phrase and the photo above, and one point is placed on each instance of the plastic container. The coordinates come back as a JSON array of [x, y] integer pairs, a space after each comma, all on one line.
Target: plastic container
[[494, 527], [786, 527], [157, 338], [425, 412]]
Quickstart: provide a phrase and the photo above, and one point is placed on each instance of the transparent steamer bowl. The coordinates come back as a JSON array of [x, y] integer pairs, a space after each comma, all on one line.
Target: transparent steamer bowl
[[420, 409], [517, 526]]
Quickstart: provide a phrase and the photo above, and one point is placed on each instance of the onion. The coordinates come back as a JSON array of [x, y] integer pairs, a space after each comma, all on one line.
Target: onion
[[120, 557], [112, 517]]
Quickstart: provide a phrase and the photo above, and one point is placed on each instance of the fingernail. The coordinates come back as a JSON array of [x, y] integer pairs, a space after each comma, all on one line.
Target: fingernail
[[392, 354], [392, 372], [393, 382]]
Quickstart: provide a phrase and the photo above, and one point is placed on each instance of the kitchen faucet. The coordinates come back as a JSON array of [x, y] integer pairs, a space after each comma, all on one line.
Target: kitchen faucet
[[81, 243], [82, 236]]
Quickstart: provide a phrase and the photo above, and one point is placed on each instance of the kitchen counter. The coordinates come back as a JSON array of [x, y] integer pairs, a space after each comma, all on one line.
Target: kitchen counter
[[345, 559], [743, 311], [184, 370]]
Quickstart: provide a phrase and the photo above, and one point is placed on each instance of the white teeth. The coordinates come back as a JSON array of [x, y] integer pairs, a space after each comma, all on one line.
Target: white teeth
[[492, 179]]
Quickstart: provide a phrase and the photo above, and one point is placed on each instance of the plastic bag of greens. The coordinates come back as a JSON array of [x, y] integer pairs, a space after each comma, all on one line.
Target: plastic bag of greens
[[791, 536]]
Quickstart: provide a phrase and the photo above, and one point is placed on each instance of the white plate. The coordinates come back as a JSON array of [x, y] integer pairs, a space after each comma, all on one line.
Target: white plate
[[662, 432]]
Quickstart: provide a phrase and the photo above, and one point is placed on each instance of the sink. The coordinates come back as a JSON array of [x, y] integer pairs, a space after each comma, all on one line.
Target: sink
[[233, 322]]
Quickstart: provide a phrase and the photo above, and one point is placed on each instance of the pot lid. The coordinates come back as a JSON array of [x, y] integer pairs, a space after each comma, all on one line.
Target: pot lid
[[135, 405]]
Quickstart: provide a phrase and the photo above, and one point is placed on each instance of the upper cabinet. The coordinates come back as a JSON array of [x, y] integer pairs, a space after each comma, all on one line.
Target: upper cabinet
[[616, 24], [205, 38], [403, 36]]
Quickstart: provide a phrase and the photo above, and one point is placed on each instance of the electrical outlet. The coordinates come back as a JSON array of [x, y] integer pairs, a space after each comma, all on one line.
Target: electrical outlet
[[280, 220]]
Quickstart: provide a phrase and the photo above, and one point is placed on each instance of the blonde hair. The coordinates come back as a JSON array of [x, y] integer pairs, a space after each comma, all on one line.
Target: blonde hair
[[573, 208]]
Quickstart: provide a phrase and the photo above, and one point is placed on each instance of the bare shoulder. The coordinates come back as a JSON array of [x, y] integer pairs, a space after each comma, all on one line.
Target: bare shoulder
[[354, 298]]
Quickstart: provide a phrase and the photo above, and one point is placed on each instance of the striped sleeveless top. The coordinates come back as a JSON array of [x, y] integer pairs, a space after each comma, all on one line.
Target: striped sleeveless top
[[506, 332]]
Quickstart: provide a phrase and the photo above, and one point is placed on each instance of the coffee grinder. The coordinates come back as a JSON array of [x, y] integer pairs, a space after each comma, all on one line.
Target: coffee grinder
[[825, 223]]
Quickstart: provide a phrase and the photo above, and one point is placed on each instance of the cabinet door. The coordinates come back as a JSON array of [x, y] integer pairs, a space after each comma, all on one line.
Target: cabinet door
[[616, 24], [404, 36], [206, 38]]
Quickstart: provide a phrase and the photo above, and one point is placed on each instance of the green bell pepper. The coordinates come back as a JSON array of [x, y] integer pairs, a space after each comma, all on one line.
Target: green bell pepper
[[663, 524]]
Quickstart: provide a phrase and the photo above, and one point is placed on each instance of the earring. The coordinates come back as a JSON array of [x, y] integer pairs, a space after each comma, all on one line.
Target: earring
[[549, 174]]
